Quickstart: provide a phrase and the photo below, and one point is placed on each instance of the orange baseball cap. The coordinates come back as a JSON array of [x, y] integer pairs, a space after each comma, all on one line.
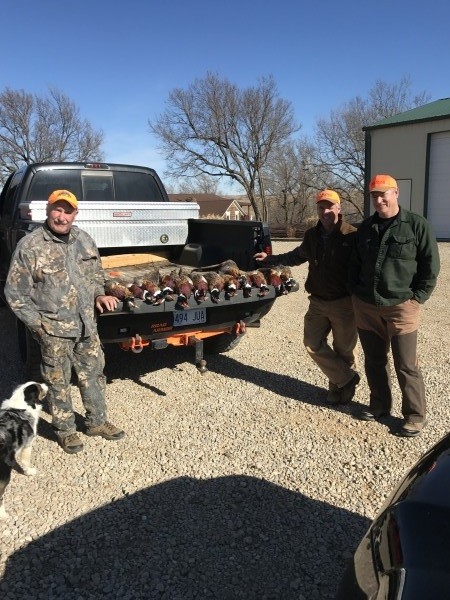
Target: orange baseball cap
[[329, 196], [382, 183], [63, 195]]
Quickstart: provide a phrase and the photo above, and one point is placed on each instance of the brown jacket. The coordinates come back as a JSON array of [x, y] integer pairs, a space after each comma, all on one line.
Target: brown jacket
[[328, 262]]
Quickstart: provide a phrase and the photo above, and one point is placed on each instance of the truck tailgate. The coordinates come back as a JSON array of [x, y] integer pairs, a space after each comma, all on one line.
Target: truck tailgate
[[158, 321]]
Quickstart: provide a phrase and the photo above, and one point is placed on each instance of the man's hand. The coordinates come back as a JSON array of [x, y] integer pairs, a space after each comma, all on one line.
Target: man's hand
[[260, 256], [106, 303]]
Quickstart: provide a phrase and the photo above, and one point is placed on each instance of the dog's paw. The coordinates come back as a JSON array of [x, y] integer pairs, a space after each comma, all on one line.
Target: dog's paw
[[3, 513], [29, 471]]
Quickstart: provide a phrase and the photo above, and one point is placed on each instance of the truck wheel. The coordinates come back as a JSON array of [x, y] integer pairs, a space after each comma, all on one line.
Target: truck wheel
[[223, 342], [30, 352]]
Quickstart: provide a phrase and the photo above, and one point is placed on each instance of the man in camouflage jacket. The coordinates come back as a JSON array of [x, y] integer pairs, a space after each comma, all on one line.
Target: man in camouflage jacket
[[54, 284]]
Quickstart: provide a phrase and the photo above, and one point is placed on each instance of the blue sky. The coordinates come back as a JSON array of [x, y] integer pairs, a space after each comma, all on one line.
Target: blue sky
[[118, 61]]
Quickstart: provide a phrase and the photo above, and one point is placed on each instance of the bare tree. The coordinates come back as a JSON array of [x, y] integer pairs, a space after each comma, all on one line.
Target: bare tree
[[217, 129], [290, 185], [41, 129], [203, 184], [339, 160]]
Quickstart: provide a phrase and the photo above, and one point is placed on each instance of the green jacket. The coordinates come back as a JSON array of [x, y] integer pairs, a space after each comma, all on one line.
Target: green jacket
[[53, 285], [401, 264], [328, 265]]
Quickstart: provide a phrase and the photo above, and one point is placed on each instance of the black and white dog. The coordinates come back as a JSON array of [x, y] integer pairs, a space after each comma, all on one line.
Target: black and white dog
[[19, 417]]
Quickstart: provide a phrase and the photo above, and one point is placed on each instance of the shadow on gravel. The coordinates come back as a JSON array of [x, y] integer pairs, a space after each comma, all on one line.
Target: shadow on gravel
[[117, 367], [226, 539], [285, 385]]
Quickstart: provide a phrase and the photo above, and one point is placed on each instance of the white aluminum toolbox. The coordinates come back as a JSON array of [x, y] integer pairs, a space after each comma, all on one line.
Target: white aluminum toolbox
[[131, 224]]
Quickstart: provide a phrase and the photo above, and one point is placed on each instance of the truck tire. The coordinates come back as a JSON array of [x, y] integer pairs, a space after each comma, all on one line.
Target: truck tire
[[30, 352], [223, 342]]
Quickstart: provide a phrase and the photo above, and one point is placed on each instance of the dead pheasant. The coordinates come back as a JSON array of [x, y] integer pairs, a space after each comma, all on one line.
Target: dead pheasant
[[137, 291], [229, 267], [273, 277], [184, 288], [259, 281], [231, 285], [216, 284], [150, 284], [167, 284], [200, 286], [121, 292], [287, 278], [245, 284]]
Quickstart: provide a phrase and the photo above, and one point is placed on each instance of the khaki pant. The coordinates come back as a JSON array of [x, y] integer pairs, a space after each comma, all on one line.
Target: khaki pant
[[382, 328], [337, 362]]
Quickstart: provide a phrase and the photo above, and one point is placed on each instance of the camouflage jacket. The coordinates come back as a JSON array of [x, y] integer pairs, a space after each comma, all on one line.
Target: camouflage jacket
[[52, 285]]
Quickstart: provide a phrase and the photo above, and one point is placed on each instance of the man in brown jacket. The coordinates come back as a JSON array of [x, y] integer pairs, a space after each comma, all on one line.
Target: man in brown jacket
[[327, 248]]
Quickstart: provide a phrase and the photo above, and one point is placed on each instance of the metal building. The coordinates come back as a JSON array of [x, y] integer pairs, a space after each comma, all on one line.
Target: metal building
[[414, 147]]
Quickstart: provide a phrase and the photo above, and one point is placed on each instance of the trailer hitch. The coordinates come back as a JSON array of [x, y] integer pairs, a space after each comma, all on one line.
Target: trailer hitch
[[200, 362]]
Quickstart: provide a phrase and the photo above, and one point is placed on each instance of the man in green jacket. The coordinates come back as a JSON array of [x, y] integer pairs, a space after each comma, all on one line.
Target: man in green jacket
[[327, 247], [393, 271]]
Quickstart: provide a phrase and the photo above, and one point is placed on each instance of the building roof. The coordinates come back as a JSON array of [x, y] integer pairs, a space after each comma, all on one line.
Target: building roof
[[210, 204], [439, 109]]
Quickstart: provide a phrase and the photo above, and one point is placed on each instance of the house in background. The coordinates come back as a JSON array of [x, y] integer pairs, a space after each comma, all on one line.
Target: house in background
[[414, 147], [213, 206]]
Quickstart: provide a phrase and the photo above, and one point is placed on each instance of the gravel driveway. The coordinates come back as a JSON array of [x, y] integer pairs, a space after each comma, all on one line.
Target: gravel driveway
[[239, 483]]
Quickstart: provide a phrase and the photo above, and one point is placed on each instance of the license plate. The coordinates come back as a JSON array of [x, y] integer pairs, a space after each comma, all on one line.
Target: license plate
[[189, 317]]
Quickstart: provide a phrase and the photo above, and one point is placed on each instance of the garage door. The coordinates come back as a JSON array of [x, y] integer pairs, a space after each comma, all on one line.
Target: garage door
[[438, 212]]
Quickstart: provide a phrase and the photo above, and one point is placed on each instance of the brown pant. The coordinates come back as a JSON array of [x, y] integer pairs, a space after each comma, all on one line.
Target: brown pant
[[381, 328], [323, 317]]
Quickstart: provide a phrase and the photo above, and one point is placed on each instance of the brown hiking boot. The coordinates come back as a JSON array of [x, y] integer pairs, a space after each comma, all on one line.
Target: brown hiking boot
[[333, 396], [70, 442], [348, 391], [107, 430], [412, 429]]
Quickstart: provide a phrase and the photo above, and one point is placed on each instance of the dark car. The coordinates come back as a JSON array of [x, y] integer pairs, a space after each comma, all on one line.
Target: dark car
[[406, 551]]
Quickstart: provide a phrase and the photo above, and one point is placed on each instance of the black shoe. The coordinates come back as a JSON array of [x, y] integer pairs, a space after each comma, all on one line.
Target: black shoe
[[370, 415]]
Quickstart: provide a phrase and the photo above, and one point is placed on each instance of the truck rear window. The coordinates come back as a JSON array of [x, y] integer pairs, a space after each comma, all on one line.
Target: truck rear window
[[96, 186]]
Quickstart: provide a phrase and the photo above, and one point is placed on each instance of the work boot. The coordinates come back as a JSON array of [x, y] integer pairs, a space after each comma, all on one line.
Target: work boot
[[348, 390], [412, 429], [70, 442], [334, 395], [107, 430], [371, 415]]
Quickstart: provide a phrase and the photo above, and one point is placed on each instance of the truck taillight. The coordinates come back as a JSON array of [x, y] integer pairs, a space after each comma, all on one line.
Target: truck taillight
[[268, 249]]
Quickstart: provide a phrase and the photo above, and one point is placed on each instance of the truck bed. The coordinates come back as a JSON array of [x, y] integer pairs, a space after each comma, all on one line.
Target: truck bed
[[155, 321]]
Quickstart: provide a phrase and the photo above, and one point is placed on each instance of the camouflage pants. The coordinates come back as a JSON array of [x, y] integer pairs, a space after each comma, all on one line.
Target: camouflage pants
[[86, 356]]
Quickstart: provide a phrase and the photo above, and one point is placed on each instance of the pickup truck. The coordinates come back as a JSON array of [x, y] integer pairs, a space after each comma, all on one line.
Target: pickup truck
[[136, 227]]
